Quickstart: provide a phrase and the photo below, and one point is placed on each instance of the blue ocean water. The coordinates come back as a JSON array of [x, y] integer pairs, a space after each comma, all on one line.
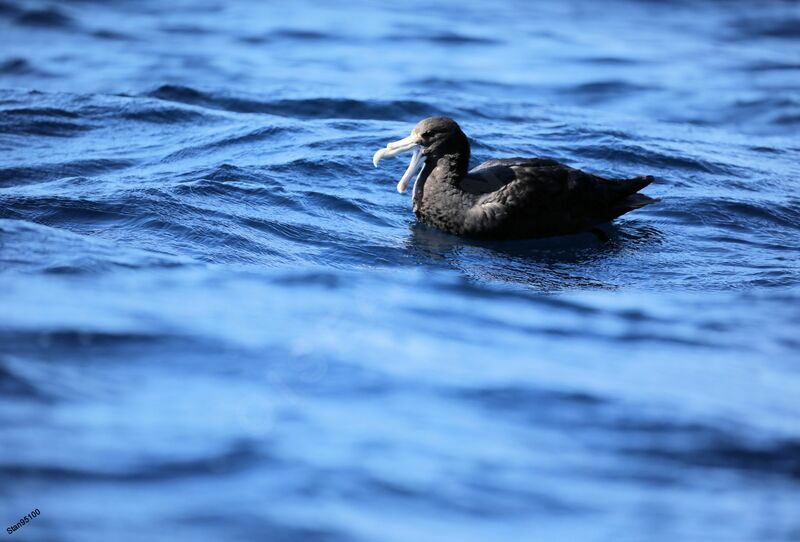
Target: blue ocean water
[[219, 322]]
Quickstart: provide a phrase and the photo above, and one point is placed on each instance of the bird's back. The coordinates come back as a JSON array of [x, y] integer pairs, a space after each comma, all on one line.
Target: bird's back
[[534, 197]]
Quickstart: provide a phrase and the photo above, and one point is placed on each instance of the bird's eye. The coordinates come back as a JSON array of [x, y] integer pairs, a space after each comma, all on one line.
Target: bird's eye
[[427, 134]]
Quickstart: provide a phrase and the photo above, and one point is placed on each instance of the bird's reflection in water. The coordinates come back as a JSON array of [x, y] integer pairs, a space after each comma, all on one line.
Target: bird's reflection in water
[[547, 264]]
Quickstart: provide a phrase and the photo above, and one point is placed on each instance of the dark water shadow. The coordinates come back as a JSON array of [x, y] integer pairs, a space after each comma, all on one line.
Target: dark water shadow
[[575, 248], [551, 263]]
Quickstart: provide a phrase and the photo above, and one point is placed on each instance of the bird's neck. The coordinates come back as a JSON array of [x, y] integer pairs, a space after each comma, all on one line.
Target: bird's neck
[[450, 168], [440, 178]]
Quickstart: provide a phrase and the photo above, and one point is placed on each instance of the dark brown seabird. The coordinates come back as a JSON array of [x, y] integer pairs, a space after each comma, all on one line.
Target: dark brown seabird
[[511, 198]]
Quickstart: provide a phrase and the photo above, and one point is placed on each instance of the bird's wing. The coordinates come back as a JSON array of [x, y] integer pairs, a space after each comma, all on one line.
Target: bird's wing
[[552, 197], [492, 175], [508, 162]]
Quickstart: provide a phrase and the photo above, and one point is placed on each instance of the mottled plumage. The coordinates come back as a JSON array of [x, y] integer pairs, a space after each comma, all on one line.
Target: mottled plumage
[[512, 198]]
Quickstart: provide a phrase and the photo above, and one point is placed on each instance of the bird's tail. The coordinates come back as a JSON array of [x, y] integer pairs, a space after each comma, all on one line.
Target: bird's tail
[[631, 186], [637, 201], [630, 200]]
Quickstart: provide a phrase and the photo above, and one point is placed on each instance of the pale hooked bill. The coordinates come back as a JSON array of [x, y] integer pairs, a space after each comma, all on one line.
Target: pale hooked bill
[[406, 144]]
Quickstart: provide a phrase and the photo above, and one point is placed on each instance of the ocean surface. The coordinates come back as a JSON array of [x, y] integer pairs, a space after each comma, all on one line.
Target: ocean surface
[[219, 322]]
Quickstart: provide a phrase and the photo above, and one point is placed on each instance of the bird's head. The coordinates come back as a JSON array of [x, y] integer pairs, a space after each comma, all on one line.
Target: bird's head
[[431, 138]]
